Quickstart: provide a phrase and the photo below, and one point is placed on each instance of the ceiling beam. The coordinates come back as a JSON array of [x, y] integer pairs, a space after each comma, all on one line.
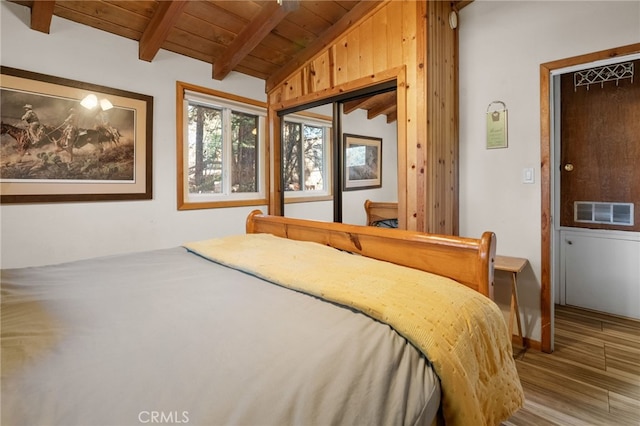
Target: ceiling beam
[[353, 105], [392, 116], [380, 104], [267, 19], [348, 19], [41, 14], [350, 106], [384, 104], [164, 18]]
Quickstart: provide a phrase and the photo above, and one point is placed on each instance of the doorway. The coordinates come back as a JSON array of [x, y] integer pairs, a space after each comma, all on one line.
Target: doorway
[[598, 139], [550, 164]]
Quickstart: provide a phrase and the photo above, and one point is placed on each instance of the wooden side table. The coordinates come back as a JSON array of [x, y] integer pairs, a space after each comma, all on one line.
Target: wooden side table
[[515, 265]]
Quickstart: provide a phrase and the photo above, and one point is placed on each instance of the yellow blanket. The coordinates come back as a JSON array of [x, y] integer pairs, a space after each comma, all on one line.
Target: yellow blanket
[[460, 331]]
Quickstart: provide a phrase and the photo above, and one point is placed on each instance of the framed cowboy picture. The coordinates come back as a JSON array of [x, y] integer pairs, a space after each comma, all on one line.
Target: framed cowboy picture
[[65, 140]]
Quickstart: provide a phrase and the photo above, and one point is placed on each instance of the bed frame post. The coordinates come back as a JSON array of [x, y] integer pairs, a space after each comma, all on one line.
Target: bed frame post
[[250, 224], [488, 247]]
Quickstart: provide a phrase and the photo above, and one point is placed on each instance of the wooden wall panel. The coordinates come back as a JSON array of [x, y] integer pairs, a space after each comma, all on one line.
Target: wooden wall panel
[[392, 42], [379, 38], [320, 73], [341, 61], [293, 87], [395, 15], [415, 114], [442, 180], [353, 55], [366, 49]]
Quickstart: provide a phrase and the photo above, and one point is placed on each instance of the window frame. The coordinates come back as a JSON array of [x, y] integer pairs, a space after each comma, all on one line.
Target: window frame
[[315, 120], [216, 99]]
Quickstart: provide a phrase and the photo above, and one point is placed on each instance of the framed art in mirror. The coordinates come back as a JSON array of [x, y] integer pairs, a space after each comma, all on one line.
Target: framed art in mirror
[[362, 162]]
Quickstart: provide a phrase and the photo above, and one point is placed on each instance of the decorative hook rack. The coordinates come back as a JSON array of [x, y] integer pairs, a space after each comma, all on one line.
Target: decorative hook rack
[[603, 74]]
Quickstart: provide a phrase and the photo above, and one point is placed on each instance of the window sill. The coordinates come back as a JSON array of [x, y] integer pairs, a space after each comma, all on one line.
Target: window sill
[[221, 204], [307, 199]]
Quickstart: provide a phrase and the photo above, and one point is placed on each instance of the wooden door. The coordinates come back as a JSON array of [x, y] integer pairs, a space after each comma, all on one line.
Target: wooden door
[[600, 147]]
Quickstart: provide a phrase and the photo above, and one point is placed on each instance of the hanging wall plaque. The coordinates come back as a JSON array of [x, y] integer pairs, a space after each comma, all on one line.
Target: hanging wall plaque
[[497, 125]]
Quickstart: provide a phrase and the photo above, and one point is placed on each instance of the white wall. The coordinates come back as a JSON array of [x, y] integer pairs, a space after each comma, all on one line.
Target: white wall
[[37, 234], [50, 233], [357, 123], [502, 44]]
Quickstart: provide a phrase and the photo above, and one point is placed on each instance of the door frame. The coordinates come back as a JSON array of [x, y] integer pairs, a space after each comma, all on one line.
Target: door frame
[[547, 180]]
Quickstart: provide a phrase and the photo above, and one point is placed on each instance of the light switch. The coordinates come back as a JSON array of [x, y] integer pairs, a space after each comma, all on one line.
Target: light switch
[[528, 175]]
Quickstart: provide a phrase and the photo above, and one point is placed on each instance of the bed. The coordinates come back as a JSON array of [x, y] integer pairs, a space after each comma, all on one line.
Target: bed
[[381, 214], [295, 322]]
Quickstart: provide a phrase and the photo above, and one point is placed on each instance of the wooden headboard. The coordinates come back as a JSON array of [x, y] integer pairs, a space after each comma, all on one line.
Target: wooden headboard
[[380, 211], [467, 260]]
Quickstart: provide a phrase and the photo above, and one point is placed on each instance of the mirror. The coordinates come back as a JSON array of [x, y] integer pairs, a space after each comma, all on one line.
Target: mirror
[[307, 163], [365, 120], [308, 169]]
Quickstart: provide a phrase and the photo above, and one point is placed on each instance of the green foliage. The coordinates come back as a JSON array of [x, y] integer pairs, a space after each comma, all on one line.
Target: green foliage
[[206, 150], [303, 152]]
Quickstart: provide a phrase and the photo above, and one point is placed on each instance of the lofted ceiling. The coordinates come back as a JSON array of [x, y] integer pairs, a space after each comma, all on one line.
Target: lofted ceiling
[[267, 39]]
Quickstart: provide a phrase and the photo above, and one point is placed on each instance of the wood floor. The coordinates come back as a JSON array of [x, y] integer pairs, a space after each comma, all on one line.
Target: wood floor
[[592, 377]]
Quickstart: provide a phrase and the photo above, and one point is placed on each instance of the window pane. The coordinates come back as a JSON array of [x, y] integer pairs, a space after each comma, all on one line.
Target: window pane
[[205, 150], [602, 213], [313, 158], [244, 151], [291, 161]]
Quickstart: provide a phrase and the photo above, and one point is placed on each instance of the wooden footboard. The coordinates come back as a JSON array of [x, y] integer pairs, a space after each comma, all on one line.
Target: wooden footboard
[[377, 211], [469, 261]]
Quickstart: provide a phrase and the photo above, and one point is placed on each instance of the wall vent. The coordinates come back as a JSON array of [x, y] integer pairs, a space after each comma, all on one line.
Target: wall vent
[[607, 213]]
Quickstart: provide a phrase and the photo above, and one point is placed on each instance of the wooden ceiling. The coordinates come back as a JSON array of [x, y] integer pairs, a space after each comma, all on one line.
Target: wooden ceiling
[[267, 39], [261, 38]]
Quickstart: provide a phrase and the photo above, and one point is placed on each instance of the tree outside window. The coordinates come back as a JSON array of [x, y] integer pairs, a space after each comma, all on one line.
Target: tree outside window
[[205, 149], [304, 157], [221, 149], [211, 148]]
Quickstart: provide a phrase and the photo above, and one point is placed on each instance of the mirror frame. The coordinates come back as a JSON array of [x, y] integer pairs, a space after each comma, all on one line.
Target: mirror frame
[[377, 83]]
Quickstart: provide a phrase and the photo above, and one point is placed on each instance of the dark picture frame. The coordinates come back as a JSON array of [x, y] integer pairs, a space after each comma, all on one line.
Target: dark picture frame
[[362, 162], [65, 140]]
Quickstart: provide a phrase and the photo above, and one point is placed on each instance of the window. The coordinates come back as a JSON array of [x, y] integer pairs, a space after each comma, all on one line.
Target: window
[[306, 156], [221, 150], [605, 213]]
